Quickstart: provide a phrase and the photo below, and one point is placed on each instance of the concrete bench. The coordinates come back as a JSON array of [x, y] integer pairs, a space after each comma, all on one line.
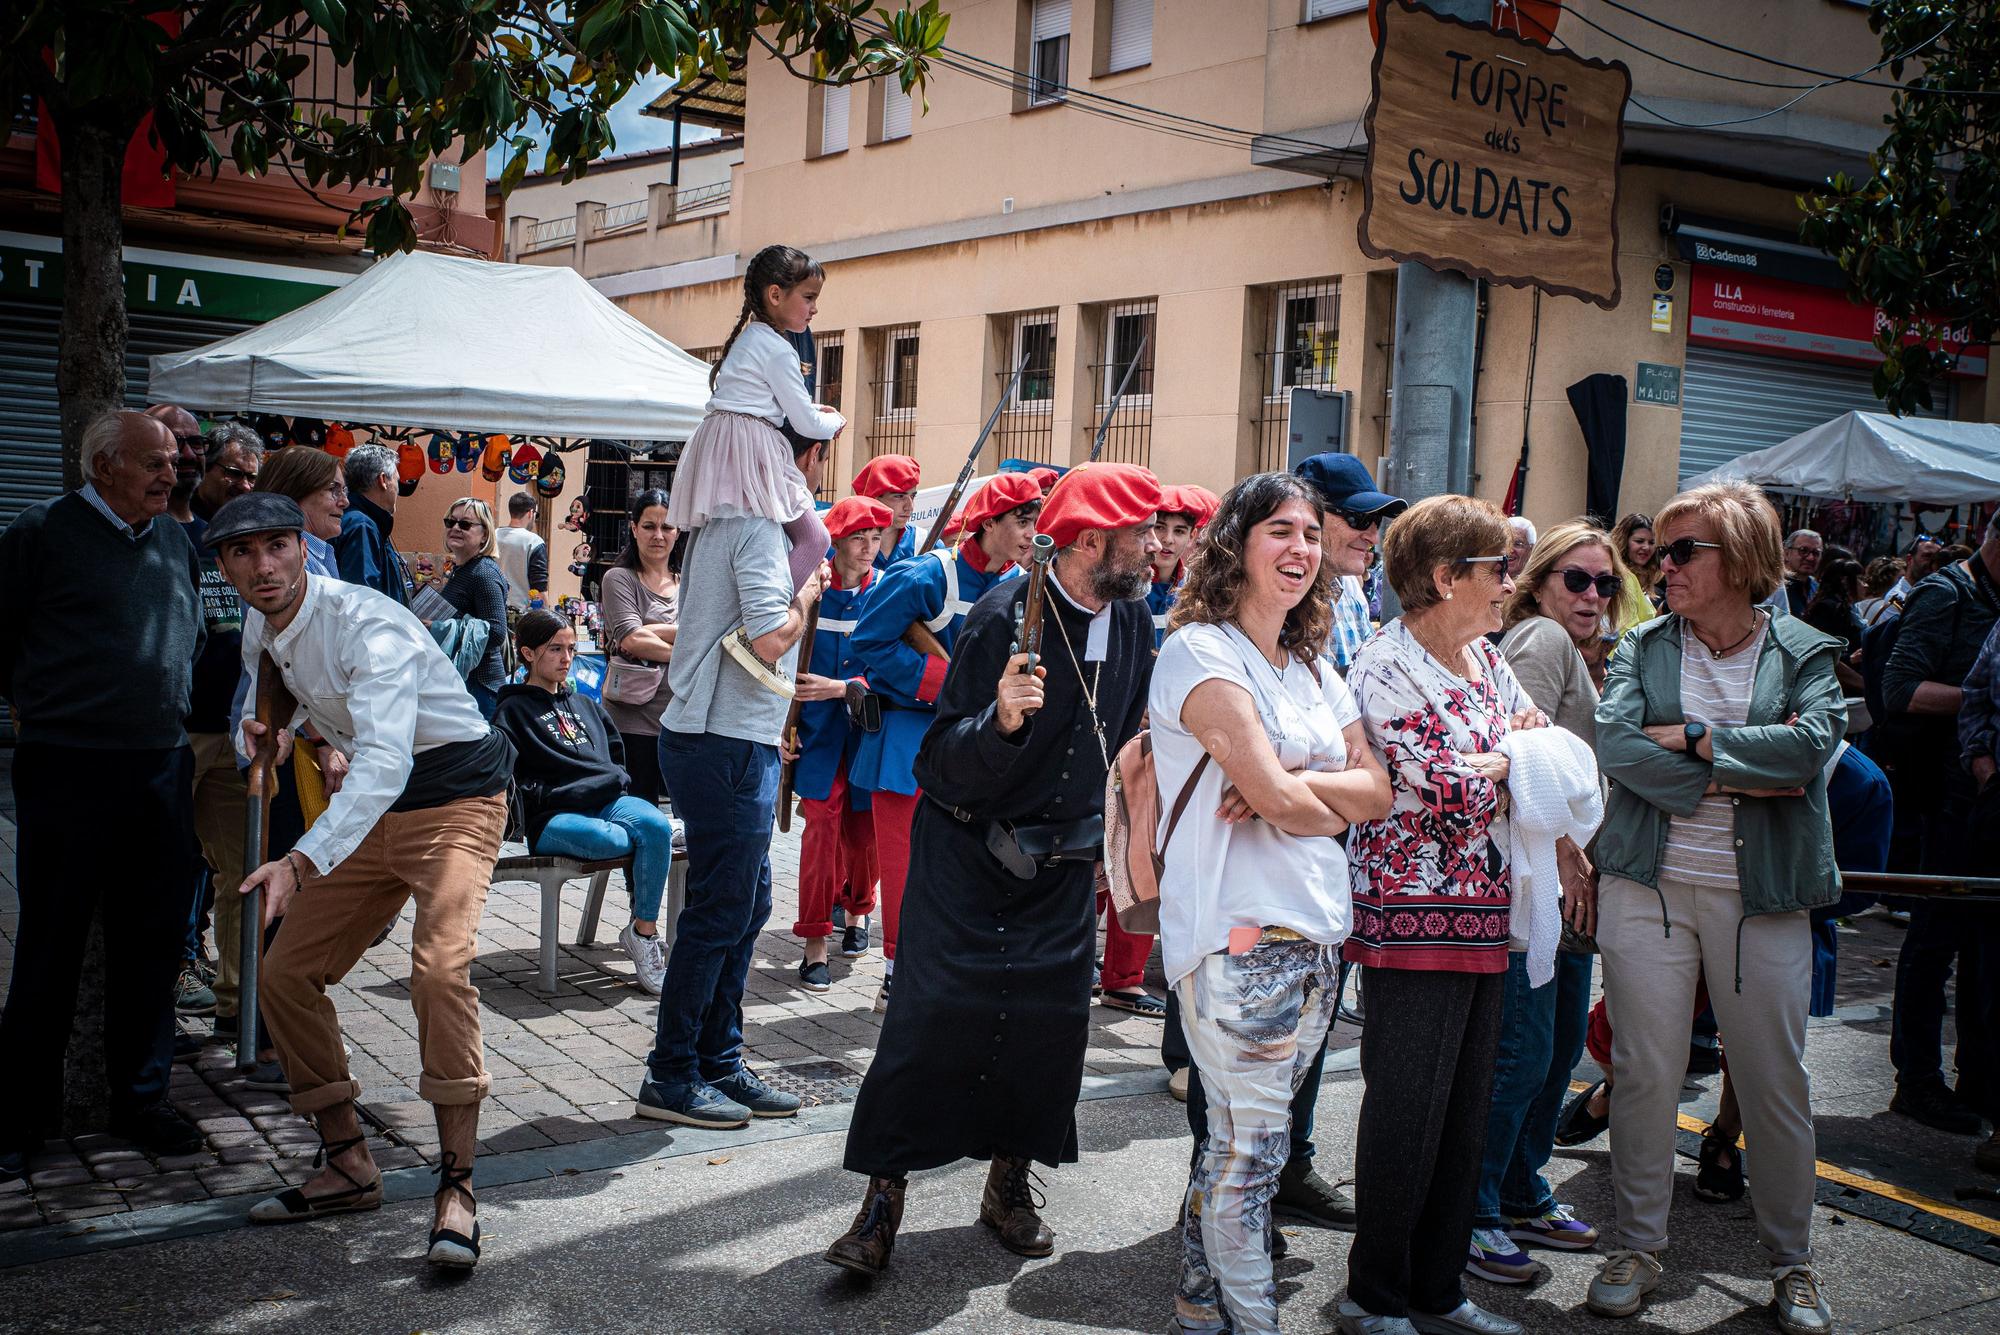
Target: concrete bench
[[553, 873]]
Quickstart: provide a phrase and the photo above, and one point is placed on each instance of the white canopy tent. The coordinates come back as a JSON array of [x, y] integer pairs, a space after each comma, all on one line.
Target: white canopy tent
[[424, 340], [1877, 457]]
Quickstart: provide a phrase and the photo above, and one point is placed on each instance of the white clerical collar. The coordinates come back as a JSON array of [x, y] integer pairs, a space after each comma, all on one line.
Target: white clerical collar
[[1097, 645]]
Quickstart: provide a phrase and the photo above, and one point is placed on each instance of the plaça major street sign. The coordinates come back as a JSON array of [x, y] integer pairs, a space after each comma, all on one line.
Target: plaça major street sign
[[1493, 157]]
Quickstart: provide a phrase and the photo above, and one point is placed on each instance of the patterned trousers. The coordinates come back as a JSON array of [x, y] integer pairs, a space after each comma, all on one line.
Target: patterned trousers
[[1254, 1023]]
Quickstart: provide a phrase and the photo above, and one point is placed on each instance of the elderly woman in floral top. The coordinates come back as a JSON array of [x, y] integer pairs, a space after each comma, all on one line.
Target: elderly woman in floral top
[[1431, 915]]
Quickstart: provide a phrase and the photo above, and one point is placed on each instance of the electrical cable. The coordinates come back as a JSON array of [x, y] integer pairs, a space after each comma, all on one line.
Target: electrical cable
[[1856, 78]]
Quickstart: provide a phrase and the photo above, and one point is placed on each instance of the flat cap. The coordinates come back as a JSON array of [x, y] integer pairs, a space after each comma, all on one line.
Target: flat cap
[[253, 512]]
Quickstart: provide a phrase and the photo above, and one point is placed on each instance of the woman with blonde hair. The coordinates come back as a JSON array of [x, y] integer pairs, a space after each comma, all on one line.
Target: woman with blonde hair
[[312, 478], [1636, 543], [1716, 729], [1564, 602], [478, 588]]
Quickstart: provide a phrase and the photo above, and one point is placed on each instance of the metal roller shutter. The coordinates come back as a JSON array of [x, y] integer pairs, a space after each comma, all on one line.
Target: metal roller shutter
[[1735, 402], [30, 418], [833, 119], [895, 111], [1131, 35]]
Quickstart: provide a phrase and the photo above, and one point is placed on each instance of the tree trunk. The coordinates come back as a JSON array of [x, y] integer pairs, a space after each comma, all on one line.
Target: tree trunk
[[90, 371], [90, 378]]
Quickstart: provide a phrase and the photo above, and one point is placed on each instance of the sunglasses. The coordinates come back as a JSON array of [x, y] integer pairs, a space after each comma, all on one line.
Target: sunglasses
[[1360, 520], [1682, 551], [1576, 581], [467, 524]]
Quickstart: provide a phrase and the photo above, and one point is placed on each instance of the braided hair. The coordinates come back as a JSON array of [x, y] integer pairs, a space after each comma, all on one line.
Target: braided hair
[[780, 266]]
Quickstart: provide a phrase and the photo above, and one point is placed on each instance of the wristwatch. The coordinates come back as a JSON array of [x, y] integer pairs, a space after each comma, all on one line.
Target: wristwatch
[[1694, 732]]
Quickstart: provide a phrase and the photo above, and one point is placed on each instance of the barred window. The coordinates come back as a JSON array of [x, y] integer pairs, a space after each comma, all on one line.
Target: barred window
[[1125, 344], [1027, 421], [1301, 347], [832, 358], [894, 427]]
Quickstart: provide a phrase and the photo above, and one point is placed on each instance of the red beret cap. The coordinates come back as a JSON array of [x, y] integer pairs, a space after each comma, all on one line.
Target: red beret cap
[[886, 473], [854, 514], [1002, 492], [1198, 503], [1044, 478], [1104, 496]]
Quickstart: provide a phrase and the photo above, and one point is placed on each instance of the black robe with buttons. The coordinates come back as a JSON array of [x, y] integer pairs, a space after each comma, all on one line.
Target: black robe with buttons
[[989, 1017]]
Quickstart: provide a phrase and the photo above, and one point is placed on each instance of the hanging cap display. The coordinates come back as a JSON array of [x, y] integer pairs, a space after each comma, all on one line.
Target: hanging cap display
[[276, 431], [309, 431], [886, 473], [549, 480], [850, 516], [409, 467], [439, 449], [1106, 496], [465, 451], [339, 440], [493, 459], [524, 463]]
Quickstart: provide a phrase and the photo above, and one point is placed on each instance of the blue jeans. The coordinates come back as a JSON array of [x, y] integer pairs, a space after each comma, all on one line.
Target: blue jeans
[[1524, 1192], [628, 825], [725, 791], [1520, 1070], [487, 700]]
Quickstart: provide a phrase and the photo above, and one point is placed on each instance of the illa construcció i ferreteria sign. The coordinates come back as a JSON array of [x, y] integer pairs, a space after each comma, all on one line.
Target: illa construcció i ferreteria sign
[[1493, 157]]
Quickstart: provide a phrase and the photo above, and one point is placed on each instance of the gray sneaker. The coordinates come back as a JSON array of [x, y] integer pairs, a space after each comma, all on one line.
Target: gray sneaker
[[1353, 1319], [1796, 1300], [649, 958], [1468, 1318], [191, 995], [1620, 1286]]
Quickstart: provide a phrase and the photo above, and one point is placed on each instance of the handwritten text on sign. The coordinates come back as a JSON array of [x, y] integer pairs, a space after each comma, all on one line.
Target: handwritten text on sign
[[1493, 157]]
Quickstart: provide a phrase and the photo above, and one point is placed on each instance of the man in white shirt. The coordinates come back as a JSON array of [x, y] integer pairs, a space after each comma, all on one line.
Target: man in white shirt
[[523, 556], [418, 814]]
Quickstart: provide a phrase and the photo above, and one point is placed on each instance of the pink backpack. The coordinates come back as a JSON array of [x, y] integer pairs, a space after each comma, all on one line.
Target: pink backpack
[[1134, 848]]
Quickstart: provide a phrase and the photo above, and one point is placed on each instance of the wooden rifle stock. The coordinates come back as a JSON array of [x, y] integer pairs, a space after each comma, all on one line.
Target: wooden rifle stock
[[1028, 630], [274, 708], [788, 770], [971, 463], [925, 641]]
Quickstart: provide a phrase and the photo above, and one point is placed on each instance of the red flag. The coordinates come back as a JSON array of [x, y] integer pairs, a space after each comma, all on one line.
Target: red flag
[[147, 182]]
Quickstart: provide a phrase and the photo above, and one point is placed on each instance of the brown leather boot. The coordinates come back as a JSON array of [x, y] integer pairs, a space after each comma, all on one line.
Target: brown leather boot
[[1008, 1207], [865, 1247]]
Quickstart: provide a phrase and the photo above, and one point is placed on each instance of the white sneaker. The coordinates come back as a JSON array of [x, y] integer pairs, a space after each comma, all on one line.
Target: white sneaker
[[1353, 1319], [649, 958], [1620, 1286], [680, 837], [1795, 1298]]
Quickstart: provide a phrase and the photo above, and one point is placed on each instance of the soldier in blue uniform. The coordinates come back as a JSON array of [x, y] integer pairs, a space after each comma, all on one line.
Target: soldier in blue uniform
[[893, 479], [837, 864], [932, 592]]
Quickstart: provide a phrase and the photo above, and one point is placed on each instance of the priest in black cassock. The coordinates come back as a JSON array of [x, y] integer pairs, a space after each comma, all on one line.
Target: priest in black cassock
[[982, 1055]]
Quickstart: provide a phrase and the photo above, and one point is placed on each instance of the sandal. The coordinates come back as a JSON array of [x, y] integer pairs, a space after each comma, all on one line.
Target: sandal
[[450, 1248], [1138, 1003], [1579, 1125], [1716, 1182], [292, 1204]]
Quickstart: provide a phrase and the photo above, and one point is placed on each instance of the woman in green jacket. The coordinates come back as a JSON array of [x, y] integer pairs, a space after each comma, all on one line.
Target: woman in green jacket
[[1715, 730]]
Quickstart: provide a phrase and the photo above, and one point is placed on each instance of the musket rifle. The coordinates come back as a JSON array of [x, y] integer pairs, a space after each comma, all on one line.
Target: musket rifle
[[274, 708], [1138, 355], [1028, 630], [789, 769], [971, 462]]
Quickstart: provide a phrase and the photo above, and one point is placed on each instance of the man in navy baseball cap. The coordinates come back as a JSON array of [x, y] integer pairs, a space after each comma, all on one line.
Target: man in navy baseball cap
[[1349, 491]]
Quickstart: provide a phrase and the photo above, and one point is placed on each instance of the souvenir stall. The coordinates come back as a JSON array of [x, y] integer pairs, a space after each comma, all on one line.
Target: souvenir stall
[[496, 372], [1873, 482]]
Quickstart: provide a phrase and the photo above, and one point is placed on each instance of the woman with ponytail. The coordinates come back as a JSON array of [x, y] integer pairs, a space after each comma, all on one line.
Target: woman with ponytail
[[739, 463]]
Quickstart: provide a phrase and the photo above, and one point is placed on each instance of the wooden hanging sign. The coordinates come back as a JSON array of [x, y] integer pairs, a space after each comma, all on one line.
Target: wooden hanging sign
[[1493, 157]]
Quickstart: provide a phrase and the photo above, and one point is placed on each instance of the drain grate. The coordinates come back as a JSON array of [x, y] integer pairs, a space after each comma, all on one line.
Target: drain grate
[[817, 1082]]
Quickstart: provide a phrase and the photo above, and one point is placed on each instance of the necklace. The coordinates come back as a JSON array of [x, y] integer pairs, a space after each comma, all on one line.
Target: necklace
[[1756, 623], [1089, 692]]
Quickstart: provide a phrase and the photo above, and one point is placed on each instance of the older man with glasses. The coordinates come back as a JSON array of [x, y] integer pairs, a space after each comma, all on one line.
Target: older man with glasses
[[1803, 551]]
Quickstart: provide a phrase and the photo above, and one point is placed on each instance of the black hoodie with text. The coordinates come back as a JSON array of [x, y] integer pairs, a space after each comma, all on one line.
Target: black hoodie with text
[[569, 757]]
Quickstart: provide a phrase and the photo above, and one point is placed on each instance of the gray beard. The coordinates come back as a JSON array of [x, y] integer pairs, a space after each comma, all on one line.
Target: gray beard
[[1114, 585]]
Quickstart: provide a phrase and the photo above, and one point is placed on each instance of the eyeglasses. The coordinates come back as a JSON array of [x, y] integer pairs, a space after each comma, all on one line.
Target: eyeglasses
[[467, 524], [1682, 551], [1804, 550], [1500, 561], [1576, 581], [243, 475]]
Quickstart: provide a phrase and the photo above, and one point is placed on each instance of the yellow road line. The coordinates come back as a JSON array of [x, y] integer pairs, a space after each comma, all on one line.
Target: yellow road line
[[1916, 1200]]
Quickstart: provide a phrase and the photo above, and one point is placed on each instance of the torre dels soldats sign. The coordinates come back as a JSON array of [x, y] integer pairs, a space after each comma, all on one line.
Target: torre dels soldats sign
[[1492, 156]]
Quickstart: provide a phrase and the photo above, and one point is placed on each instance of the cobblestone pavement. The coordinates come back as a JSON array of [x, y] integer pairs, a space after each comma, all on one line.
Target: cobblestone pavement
[[564, 1066]]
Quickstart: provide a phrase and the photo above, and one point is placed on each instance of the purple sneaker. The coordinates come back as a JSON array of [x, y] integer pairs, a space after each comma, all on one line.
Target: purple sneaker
[[1556, 1227]]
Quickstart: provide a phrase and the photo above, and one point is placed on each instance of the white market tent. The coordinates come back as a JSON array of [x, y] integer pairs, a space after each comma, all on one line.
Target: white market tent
[[1877, 457], [423, 340]]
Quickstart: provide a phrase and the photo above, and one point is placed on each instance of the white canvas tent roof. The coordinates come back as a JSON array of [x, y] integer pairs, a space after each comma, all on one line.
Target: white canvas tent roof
[[1877, 457], [424, 340]]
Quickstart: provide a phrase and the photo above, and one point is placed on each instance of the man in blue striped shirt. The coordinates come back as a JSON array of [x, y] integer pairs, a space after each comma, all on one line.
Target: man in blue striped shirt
[[1355, 513]]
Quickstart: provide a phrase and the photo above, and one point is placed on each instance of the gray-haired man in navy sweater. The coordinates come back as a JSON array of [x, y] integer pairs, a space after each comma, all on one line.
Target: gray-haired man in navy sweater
[[100, 622]]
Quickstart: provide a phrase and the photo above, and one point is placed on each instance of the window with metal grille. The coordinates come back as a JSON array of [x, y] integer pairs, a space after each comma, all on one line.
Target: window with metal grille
[[1048, 52], [833, 119], [1301, 347], [832, 356], [894, 428], [1126, 344], [710, 355], [1027, 424], [615, 471]]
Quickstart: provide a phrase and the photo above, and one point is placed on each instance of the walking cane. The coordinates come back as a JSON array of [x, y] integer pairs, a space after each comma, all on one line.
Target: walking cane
[[274, 709]]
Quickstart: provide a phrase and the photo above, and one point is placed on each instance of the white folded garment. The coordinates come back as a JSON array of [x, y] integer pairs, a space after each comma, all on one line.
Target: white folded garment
[[1553, 790]]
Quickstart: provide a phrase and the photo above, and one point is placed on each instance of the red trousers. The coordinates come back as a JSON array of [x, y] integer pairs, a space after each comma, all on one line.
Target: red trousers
[[893, 814], [1124, 954], [836, 861]]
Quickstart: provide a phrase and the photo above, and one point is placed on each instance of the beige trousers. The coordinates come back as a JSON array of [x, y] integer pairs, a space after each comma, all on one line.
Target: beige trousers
[[219, 799], [443, 859], [1649, 984]]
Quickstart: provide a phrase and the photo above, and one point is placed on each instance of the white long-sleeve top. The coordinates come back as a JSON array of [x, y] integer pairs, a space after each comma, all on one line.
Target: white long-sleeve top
[[761, 377], [376, 687]]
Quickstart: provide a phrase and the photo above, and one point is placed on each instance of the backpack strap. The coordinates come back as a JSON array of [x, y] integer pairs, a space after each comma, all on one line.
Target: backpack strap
[[1180, 803]]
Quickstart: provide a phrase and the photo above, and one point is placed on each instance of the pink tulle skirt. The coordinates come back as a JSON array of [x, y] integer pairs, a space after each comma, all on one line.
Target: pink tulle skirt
[[738, 467]]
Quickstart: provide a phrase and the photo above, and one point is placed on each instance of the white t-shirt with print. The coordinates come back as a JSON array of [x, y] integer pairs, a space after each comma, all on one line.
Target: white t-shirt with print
[[1251, 874]]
